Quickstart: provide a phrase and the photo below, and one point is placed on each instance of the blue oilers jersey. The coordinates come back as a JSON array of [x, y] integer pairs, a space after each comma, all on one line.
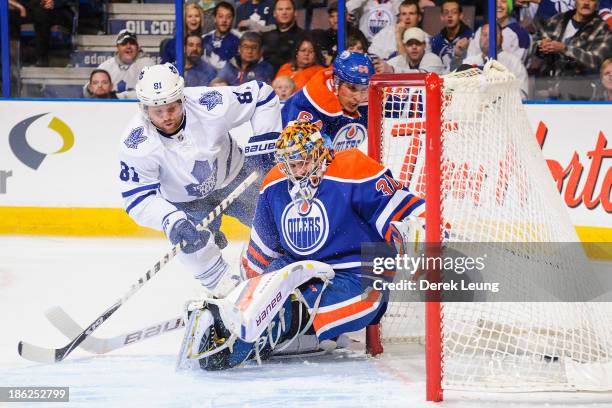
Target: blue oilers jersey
[[317, 103], [356, 201]]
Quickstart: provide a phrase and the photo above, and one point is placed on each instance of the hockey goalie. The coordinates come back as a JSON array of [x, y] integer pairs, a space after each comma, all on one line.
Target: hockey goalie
[[302, 264]]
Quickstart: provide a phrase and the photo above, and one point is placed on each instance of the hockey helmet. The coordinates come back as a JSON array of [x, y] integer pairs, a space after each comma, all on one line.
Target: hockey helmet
[[353, 67], [159, 85]]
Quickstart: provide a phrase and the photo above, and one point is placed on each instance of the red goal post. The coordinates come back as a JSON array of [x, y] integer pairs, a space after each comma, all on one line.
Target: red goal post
[[428, 120]]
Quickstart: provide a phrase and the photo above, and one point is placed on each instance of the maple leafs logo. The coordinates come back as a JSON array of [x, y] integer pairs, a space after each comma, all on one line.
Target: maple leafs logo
[[135, 138], [211, 99], [206, 175]]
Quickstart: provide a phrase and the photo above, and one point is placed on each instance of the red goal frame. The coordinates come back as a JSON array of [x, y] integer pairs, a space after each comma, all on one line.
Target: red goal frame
[[432, 84]]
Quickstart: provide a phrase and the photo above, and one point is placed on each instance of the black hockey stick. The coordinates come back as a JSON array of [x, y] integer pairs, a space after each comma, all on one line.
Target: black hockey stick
[[51, 355]]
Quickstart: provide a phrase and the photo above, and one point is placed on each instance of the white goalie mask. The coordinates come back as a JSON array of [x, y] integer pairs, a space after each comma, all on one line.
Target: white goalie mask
[[159, 85]]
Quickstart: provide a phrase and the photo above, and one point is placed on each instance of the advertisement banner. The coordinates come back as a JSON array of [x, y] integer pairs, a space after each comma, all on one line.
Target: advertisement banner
[[574, 140], [62, 154]]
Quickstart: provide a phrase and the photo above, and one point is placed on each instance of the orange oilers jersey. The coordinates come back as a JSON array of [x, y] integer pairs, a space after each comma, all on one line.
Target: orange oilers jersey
[[355, 202], [318, 103]]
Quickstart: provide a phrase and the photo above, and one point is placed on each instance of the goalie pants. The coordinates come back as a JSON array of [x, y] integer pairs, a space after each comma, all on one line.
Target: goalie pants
[[345, 306]]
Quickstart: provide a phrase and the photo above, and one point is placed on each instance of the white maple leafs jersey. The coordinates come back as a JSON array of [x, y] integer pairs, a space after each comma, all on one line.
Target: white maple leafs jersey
[[158, 170]]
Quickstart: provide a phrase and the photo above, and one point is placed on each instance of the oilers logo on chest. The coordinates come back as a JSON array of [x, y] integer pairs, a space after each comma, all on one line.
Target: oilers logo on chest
[[350, 136], [378, 19], [305, 226]]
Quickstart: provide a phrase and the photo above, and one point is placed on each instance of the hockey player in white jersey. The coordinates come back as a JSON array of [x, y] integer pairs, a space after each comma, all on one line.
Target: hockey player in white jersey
[[178, 161]]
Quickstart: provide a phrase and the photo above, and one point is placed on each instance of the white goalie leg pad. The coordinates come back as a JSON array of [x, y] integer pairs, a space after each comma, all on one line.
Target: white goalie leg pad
[[250, 307]]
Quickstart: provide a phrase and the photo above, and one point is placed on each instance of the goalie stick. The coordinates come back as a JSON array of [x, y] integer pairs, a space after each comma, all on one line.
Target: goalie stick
[[53, 355], [100, 345]]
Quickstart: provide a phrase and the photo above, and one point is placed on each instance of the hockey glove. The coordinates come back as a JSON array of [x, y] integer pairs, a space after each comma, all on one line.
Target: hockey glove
[[408, 235], [184, 230]]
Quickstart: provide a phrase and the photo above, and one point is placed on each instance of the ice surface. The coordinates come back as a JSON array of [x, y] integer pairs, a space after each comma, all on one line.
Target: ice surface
[[85, 276]]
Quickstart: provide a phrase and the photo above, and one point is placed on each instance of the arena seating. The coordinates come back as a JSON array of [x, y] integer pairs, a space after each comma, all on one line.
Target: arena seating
[[53, 82]]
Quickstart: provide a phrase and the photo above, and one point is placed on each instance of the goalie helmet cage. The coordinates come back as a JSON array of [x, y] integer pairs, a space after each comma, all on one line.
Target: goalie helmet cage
[[463, 142]]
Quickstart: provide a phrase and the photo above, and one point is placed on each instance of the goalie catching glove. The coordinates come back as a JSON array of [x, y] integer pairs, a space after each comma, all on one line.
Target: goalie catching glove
[[408, 235], [253, 320]]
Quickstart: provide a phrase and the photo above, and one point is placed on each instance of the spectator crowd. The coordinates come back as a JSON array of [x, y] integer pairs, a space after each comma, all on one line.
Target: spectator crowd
[[557, 50]]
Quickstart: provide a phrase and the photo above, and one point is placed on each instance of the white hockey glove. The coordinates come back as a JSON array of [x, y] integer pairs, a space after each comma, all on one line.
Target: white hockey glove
[[408, 235]]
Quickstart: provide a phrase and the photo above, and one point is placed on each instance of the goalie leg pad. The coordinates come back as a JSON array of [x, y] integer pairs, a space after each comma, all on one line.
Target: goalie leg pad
[[254, 318], [217, 349]]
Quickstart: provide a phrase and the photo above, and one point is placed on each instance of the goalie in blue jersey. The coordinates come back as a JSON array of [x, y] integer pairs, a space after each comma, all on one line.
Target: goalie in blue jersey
[[303, 261]]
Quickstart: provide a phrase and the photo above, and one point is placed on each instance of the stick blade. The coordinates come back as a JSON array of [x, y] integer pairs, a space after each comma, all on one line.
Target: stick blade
[[36, 354], [71, 329]]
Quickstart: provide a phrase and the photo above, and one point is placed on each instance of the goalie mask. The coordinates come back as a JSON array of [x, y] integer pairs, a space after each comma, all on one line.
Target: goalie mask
[[303, 153]]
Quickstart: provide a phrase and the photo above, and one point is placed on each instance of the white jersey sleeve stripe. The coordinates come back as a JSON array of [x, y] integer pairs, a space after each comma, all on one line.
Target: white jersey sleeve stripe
[[139, 189], [271, 96], [267, 251], [395, 201], [138, 200]]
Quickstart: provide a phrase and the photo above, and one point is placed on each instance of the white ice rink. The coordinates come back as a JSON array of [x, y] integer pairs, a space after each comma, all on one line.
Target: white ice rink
[[86, 276]]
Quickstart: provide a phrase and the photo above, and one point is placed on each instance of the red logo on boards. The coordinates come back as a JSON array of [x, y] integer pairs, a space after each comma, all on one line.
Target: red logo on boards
[[571, 175]]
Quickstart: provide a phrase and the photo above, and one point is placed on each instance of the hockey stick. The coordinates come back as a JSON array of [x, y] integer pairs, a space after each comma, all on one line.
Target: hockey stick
[[100, 345], [52, 355]]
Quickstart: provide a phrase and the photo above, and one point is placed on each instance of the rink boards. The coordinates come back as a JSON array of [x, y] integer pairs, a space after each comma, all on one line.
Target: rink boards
[[59, 172]]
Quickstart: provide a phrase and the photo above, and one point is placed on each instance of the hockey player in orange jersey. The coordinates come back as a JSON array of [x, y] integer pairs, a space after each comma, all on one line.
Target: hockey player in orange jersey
[[315, 209]]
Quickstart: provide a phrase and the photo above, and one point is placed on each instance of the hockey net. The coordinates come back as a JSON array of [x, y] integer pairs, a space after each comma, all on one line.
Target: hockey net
[[490, 184]]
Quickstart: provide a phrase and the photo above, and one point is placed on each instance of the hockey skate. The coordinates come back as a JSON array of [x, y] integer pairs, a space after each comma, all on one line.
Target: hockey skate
[[211, 346]]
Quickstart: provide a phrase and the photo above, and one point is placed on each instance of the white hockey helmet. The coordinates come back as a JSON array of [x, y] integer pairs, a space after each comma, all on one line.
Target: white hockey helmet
[[159, 85]]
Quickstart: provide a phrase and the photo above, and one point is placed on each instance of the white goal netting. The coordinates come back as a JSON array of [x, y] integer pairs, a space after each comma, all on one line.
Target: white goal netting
[[496, 188]]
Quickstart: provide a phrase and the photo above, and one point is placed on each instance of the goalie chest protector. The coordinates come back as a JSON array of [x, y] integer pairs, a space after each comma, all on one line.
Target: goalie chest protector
[[355, 202]]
